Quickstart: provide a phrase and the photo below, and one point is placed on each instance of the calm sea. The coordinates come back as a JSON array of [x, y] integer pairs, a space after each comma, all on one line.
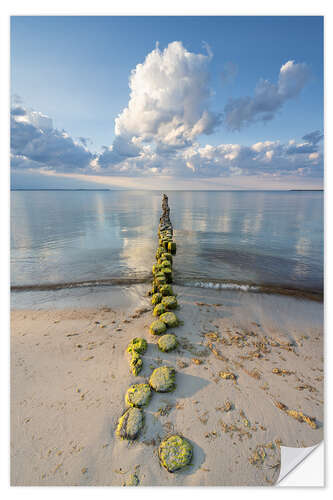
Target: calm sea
[[247, 240]]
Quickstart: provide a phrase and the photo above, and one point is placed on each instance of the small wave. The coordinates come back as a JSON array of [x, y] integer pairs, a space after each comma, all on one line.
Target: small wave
[[227, 286], [316, 295], [79, 284], [199, 283]]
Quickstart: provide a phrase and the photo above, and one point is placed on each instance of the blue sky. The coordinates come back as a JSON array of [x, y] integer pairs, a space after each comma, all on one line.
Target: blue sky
[[243, 124]]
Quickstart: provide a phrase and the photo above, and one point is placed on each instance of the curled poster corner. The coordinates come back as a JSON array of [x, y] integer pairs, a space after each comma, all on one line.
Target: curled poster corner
[[292, 457]]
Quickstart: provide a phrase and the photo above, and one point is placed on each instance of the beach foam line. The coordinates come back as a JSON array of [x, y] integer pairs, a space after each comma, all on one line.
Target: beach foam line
[[78, 284], [179, 281], [255, 288]]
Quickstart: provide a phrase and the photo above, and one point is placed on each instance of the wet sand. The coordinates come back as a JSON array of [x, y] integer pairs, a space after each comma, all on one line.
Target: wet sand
[[70, 372]]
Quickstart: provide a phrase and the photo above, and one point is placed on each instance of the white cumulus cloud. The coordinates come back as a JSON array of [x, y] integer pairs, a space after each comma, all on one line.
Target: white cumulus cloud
[[169, 98]]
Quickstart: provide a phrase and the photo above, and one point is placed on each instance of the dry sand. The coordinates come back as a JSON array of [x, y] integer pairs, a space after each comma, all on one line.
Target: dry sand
[[70, 372]]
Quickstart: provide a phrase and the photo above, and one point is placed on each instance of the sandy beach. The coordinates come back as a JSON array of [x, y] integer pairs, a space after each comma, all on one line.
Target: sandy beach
[[70, 372]]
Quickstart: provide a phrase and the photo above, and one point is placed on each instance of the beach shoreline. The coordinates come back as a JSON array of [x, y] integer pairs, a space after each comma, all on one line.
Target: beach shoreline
[[70, 372]]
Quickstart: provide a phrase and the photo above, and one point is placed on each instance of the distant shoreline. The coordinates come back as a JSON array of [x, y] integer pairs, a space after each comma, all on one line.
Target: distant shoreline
[[177, 190], [59, 189]]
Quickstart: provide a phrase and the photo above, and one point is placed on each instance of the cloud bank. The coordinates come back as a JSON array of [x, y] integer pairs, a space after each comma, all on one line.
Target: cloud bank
[[36, 144], [168, 112]]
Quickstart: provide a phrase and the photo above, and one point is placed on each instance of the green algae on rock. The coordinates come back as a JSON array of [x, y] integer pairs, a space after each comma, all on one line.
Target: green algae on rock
[[154, 288], [166, 290], [155, 269], [163, 379], [159, 273], [172, 247], [167, 274], [156, 298], [138, 395], [157, 327], [160, 280], [158, 310], [130, 423], [170, 302], [136, 363], [167, 342], [164, 263], [165, 243], [167, 256], [170, 319], [138, 345], [159, 252], [174, 453]]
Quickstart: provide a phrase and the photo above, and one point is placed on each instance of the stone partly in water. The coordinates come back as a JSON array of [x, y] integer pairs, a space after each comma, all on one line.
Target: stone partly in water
[[175, 453], [165, 243], [136, 363], [166, 290], [167, 342], [158, 310], [156, 298], [138, 395], [157, 328], [167, 272], [154, 289], [164, 263], [159, 274], [159, 252], [138, 345], [160, 280], [156, 269], [163, 379], [170, 319], [167, 256], [130, 423], [172, 247], [170, 302]]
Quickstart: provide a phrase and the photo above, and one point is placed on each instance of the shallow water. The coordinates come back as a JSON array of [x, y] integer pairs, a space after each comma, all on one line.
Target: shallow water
[[225, 239]]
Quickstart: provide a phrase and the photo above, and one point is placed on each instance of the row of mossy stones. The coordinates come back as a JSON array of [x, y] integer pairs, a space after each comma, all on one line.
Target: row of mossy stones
[[175, 452]]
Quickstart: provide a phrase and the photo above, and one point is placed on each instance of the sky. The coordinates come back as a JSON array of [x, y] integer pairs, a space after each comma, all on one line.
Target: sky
[[167, 102]]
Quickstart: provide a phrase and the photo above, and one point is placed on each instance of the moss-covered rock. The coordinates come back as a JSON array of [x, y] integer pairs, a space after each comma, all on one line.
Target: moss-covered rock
[[160, 280], [170, 319], [156, 298], [163, 379], [136, 363], [159, 252], [159, 309], [166, 290], [130, 423], [167, 274], [170, 302], [138, 395], [175, 452], [172, 248], [166, 256], [167, 342], [157, 268], [164, 263], [154, 288], [157, 328], [138, 345], [159, 273]]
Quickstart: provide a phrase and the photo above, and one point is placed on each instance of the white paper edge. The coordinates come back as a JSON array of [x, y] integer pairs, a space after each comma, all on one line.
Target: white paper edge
[[296, 471]]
